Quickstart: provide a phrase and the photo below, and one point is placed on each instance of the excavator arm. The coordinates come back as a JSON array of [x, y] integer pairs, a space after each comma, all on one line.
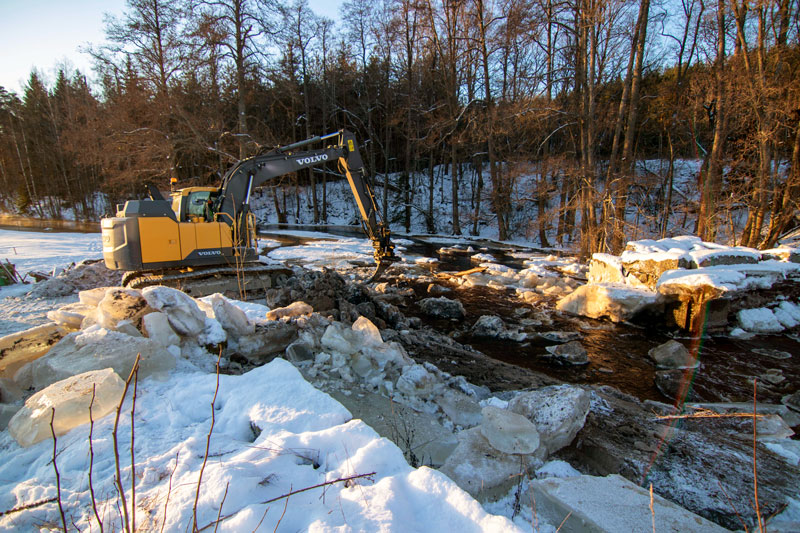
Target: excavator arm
[[233, 202]]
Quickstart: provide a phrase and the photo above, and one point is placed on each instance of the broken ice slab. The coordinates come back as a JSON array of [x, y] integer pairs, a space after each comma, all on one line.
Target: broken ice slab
[[71, 399], [18, 349], [71, 316], [611, 504], [293, 310], [184, 315]]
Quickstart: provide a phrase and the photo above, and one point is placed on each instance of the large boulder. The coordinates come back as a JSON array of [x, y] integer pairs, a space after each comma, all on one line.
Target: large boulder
[[442, 308], [558, 412], [184, 315], [609, 300], [94, 349], [121, 304], [605, 268], [672, 355], [70, 399]]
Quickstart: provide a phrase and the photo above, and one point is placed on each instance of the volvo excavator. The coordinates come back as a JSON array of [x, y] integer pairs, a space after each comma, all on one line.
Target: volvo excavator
[[204, 239]]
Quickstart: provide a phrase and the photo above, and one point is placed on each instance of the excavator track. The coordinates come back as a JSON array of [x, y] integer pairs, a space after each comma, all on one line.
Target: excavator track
[[247, 282]]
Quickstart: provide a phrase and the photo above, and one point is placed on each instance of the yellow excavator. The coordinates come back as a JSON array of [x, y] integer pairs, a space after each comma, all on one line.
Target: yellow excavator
[[204, 239]]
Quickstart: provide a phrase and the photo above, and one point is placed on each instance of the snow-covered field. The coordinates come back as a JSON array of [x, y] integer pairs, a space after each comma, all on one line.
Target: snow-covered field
[[43, 251]]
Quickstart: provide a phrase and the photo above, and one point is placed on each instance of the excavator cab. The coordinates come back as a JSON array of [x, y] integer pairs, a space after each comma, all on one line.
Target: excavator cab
[[195, 204]]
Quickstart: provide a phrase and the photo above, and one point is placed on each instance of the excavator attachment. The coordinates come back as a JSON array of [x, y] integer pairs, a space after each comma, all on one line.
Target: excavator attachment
[[382, 266]]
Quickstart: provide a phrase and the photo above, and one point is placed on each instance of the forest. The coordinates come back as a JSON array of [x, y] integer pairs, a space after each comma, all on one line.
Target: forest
[[546, 103]]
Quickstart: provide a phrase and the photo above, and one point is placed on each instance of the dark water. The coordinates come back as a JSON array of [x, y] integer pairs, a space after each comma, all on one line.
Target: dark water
[[34, 224]]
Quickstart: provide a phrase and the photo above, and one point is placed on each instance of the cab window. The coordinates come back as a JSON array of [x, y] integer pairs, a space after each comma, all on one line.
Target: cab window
[[197, 203]]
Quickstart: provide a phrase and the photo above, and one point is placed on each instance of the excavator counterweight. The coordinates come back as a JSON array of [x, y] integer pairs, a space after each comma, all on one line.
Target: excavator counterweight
[[206, 235]]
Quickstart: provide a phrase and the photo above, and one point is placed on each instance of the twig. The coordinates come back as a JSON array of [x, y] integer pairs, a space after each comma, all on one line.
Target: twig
[[55, 467], [708, 413], [652, 508], [263, 516], [120, 490], [221, 505], [730, 503], [292, 493], [755, 469], [169, 490], [563, 521], [208, 445], [285, 505], [91, 459], [133, 455], [27, 506]]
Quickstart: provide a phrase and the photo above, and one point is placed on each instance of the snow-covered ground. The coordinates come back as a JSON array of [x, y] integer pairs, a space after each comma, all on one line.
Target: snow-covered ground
[[42, 251]]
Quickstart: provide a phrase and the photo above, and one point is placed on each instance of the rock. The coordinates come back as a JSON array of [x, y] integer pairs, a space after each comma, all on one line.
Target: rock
[[483, 471], [509, 432], [9, 391], [71, 316], [558, 412], [184, 315], [299, 351], [87, 274], [121, 304], [459, 408], [672, 355], [70, 398], [760, 320], [293, 310], [442, 308], [488, 326], [95, 349], [647, 271], [435, 289], [571, 353], [417, 381], [370, 335], [675, 384], [782, 253], [92, 297], [792, 401], [157, 327], [610, 504], [18, 349], [230, 317], [560, 336], [269, 339], [613, 301]]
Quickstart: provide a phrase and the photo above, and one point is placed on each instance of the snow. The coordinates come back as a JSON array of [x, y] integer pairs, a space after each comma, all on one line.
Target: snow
[[273, 433], [42, 251], [759, 320]]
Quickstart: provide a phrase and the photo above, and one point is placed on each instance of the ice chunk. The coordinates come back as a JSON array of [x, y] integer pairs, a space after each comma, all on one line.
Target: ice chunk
[[93, 297], [556, 468], [10, 392], [232, 319], [295, 309], [94, 349], [442, 308], [416, 381], [121, 304], [369, 332], [759, 320], [18, 349], [71, 316], [459, 408], [7, 412], [157, 327], [509, 432], [270, 338], [183, 313], [617, 302], [341, 339], [558, 412], [480, 469], [213, 334], [71, 399]]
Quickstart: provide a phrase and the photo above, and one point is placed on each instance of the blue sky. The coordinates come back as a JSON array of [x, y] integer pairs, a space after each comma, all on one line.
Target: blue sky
[[45, 33]]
